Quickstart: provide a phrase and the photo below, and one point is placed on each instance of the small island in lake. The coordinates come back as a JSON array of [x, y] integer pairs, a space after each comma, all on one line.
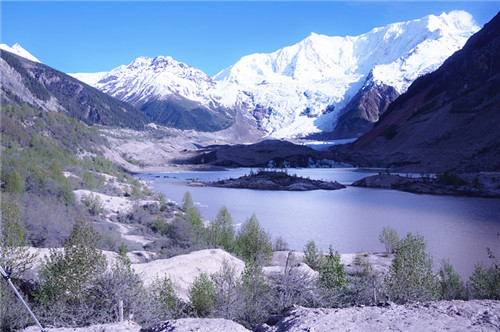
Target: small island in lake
[[276, 180]]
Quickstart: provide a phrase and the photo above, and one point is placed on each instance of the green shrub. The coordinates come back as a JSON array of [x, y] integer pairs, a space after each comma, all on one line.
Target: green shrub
[[411, 276], [332, 275], [14, 183], [202, 295], [93, 203], [389, 237], [451, 286], [313, 257], [484, 283], [253, 243]]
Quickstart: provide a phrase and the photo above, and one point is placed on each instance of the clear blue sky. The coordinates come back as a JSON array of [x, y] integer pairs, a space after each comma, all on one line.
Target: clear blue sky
[[99, 36]]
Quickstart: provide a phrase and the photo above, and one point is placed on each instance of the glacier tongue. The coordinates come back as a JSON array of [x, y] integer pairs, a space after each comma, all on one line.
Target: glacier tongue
[[302, 88]]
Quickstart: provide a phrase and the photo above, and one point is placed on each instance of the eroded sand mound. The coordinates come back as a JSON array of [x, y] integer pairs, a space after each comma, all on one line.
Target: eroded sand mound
[[126, 326], [431, 316], [184, 269], [196, 324]]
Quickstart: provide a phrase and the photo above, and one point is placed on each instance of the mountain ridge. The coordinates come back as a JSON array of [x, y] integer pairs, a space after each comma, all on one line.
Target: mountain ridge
[[300, 89]]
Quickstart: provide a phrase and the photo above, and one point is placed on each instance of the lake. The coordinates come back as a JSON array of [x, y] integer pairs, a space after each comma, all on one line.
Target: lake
[[454, 227]]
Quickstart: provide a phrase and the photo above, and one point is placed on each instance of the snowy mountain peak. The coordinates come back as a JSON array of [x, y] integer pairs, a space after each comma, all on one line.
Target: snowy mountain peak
[[303, 82], [302, 88], [17, 49]]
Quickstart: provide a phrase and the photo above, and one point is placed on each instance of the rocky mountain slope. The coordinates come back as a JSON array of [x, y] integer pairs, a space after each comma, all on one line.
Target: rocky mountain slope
[[23, 80], [298, 90], [170, 92], [447, 119]]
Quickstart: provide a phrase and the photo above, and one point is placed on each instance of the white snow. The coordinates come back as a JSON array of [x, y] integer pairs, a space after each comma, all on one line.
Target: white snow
[[298, 86], [18, 50]]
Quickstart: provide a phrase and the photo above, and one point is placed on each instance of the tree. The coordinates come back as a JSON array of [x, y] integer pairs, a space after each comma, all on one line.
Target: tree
[[451, 286], [14, 254], [313, 257], [14, 248], [253, 243], [14, 183], [411, 276], [187, 202], [389, 237], [66, 275], [332, 274], [226, 283], [255, 296], [222, 230], [484, 283], [202, 295], [165, 303]]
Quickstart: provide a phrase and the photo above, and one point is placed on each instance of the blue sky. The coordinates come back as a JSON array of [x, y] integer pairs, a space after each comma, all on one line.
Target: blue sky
[[99, 36]]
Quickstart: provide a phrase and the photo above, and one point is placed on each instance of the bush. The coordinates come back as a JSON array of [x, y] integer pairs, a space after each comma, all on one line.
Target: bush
[[411, 276], [14, 241], [14, 183], [93, 203], [484, 283], [253, 243], [66, 276], [280, 244], [164, 302], [313, 257], [202, 295], [389, 237], [255, 297], [332, 274], [451, 286], [227, 285]]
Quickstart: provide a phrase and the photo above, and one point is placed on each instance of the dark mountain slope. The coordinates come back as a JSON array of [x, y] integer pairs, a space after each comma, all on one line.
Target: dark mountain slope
[[49, 89], [448, 119]]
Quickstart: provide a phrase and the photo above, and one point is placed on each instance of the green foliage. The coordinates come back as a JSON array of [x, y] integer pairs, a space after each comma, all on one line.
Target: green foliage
[[14, 246], [227, 285], [14, 183], [222, 230], [67, 195], [66, 275], [253, 243], [389, 237], [451, 286], [411, 276], [484, 283], [363, 264], [187, 202], [89, 180], [166, 304], [313, 257], [255, 296], [160, 226], [280, 244], [93, 203], [332, 275], [202, 295]]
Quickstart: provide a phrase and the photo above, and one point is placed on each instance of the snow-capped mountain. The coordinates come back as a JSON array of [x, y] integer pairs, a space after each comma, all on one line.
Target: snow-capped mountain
[[18, 50], [303, 88], [300, 89]]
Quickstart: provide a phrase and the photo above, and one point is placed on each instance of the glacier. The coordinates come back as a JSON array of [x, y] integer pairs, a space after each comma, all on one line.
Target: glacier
[[300, 89]]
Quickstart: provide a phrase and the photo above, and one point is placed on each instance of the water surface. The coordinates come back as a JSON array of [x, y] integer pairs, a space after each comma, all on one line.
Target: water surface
[[455, 227]]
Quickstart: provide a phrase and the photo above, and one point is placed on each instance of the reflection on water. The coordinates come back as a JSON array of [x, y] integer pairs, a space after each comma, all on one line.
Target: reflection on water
[[458, 228]]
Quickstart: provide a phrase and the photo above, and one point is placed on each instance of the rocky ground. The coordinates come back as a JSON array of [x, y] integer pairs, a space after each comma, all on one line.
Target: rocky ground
[[276, 180], [476, 315], [456, 316], [477, 184]]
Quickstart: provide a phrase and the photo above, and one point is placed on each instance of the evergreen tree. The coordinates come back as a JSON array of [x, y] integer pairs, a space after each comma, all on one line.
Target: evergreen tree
[[222, 230], [253, 243], [332, 274], [313, 257]]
